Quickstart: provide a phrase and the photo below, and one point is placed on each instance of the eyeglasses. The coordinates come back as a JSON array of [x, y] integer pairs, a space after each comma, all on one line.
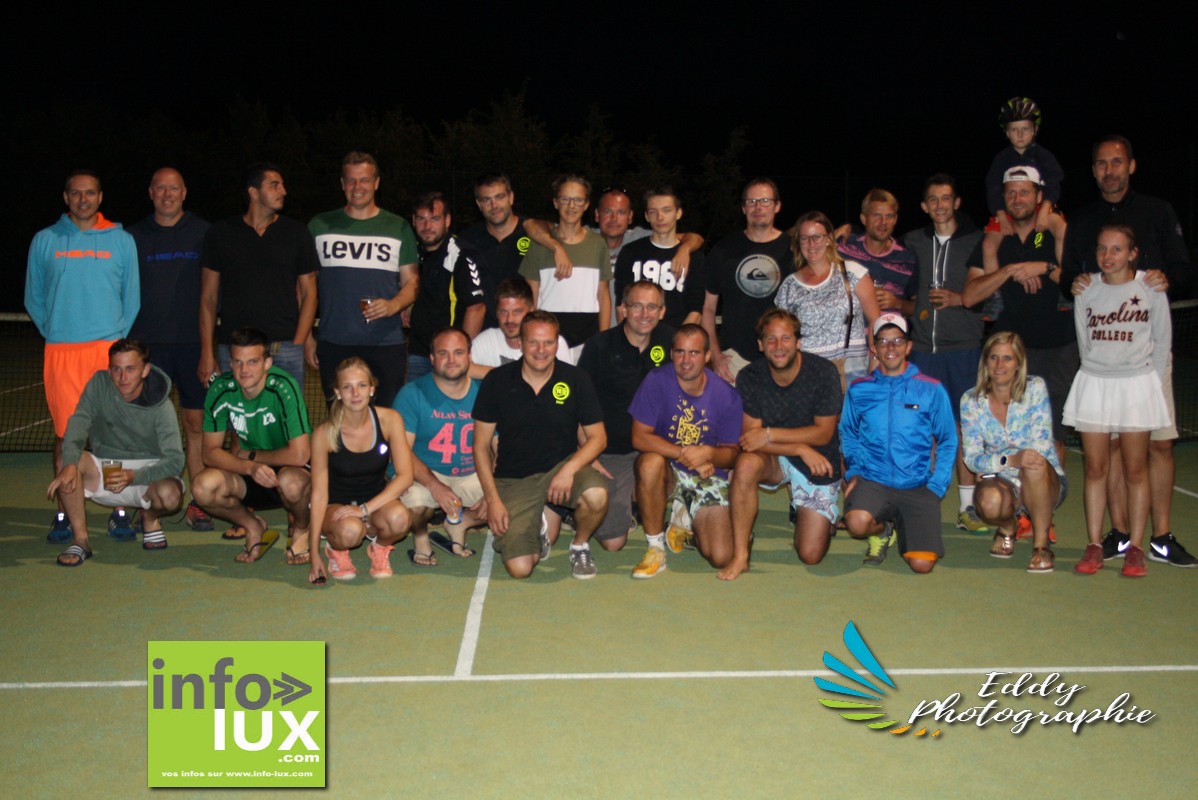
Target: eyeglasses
[[652, 308], [764, 202], [816, 239], [571, 201], [897, 341]]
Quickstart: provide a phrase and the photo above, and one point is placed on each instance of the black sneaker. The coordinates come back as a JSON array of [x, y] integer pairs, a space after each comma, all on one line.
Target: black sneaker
[[1168, 550], [1114, 544]]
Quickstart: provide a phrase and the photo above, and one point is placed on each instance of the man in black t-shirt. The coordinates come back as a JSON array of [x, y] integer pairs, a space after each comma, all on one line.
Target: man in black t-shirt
[[792, 404], [536, 406], [617, 360], [744, 272], [259, 270], [652, 259]]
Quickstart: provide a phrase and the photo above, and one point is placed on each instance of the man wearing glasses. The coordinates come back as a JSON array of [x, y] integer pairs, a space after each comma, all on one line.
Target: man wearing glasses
[[900, 443], [580, 300], [617, 360], [744, 272]]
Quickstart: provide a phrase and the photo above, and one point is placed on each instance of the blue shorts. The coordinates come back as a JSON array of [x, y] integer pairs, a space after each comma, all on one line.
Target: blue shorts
[[822, 498], [179, 362]]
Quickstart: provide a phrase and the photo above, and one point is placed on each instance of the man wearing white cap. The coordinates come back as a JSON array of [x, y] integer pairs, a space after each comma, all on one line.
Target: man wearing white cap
[[1028, 276], [899, 442]]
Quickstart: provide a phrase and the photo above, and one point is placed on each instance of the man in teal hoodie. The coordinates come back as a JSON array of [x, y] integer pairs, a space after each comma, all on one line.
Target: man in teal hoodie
[[82, 291], [136, 451]]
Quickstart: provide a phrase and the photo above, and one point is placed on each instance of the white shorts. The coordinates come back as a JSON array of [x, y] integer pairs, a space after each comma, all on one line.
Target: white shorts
[[133, 496]]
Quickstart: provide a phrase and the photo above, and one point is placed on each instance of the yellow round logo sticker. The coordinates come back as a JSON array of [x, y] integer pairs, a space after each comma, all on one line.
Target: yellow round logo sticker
[[561, 391], [657, 354], [522, 245]]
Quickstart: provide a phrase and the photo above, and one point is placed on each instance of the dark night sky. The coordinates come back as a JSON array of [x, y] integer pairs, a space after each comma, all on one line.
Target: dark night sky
[[822, 90]]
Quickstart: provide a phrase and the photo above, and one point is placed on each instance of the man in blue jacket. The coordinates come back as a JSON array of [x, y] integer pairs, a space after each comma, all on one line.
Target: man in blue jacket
[[899, 442]]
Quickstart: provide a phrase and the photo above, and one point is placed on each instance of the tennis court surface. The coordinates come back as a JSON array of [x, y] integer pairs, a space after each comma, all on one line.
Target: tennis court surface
[[460, 682]]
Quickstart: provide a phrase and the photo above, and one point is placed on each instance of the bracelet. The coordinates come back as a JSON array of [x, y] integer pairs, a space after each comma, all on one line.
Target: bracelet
[[365, 512], [768, 437]]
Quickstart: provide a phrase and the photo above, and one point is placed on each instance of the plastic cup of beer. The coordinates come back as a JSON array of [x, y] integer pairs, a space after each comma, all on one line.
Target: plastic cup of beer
[[364, 304], [110, 469]]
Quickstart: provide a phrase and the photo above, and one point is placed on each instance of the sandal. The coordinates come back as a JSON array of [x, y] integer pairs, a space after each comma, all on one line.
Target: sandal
[[297, 558], [449, 546], [236, 532], [247, 555], [1003, 546], [153, 540], [1042, 560], [422, 559], [75, 552]]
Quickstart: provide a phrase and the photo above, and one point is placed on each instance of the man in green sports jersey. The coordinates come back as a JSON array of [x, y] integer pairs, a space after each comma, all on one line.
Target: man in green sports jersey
[[267, 465]]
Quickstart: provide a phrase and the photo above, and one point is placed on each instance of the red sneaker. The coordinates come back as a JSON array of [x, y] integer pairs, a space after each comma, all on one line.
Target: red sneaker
[[1133, 563], [1091, 561]]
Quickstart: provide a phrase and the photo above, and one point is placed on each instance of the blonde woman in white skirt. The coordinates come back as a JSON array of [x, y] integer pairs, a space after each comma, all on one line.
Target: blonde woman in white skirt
[[1124, 334]]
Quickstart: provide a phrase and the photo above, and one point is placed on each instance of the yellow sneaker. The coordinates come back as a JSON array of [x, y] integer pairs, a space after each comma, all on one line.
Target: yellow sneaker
[[652, 564]]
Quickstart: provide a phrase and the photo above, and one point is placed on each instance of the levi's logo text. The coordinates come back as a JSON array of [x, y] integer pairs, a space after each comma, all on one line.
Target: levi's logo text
[[244, 714], [1018, 701]]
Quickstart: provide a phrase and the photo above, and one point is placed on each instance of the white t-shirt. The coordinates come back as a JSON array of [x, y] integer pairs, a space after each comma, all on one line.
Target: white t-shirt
[[490, 349]]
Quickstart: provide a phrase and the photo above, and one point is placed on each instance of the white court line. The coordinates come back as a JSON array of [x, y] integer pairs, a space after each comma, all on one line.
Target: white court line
[[23, 427], [643, 676], [22, 388], [474, 616]]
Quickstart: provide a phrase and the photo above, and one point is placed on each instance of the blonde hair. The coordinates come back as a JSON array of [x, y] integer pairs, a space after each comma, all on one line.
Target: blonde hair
[[985, 384], [821, 219], [332, 427]]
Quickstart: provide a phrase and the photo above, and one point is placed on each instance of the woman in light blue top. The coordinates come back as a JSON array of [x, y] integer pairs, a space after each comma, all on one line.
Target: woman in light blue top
[[1006, 435]]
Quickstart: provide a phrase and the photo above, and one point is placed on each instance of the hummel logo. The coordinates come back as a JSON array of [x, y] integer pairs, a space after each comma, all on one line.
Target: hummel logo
[[1162, 549], [1124, 545]]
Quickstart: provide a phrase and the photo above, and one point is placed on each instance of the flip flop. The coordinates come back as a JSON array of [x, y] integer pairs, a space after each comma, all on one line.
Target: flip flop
[[269, 537], [449, 546], [153, 540], [422, 559], [74, 551], [236, 532], [295, 559]]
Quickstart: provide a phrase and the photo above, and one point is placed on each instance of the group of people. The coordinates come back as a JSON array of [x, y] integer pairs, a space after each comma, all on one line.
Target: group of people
[[537, 376]]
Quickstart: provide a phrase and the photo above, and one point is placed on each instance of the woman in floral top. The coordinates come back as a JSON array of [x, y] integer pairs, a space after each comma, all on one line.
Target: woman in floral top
[[1006, 435]]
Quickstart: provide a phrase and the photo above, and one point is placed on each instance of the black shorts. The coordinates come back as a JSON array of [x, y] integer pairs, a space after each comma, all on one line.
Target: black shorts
[[914, 512]]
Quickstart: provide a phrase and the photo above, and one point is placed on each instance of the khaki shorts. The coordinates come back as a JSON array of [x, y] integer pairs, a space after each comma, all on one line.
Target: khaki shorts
[[466, 487], [525, 499]]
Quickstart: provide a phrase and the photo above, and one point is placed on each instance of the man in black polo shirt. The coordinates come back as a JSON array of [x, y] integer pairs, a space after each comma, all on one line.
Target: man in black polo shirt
[[617, 359], [535, 406], [1027, 276]]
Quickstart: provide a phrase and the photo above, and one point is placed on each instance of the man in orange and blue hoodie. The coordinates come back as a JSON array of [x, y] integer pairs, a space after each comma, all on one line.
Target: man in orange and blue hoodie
[[83, 293]]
